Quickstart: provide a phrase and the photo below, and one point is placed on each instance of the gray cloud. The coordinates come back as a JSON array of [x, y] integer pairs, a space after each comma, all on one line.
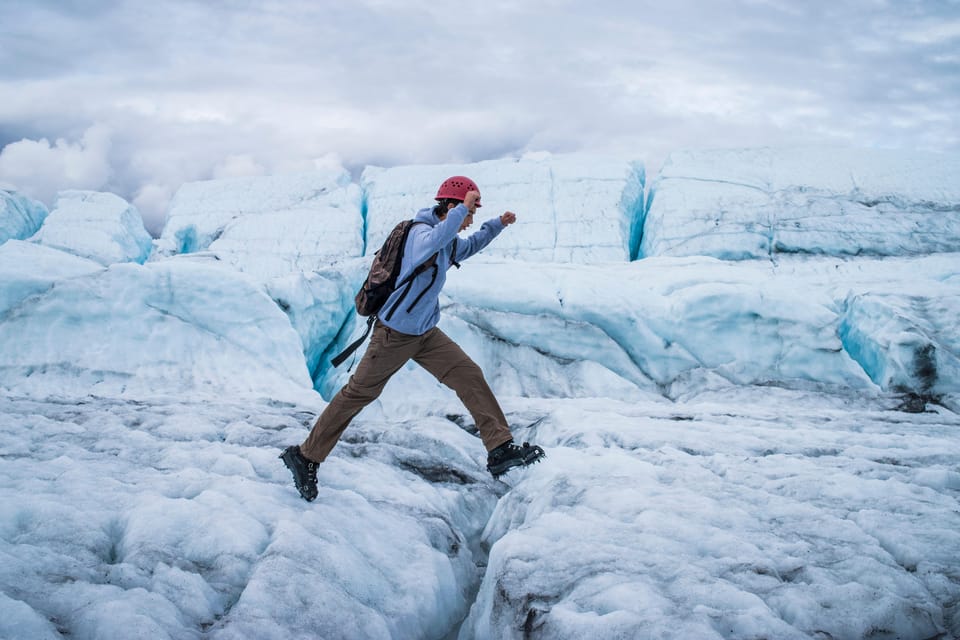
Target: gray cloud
[[188, 90]]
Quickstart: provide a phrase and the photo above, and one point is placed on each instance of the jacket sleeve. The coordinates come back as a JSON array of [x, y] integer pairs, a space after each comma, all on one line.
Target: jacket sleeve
[[479, 239], [424, 241]]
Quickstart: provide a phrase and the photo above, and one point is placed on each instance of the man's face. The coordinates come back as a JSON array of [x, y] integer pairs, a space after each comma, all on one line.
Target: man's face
[[466, 221]]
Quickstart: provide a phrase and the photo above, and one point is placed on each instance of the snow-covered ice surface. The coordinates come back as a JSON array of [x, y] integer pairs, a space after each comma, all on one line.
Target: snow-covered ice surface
[[761, 513], [764, 513], [759, 448], [173, 518]]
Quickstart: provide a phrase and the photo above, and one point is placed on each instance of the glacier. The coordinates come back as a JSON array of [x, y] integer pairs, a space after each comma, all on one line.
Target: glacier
[[20, 217], [580, 209], [285, 232], [754, 203], [745, 374], [100, 226]]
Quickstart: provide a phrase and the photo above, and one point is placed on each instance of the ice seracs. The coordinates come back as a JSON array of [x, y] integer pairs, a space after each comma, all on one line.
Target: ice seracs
[[20, 217], [785, 286], [578, 208], [903, 341], [757, 203], [167, 327], [100, 226], [267, 226], [294, 234], [667, 325]]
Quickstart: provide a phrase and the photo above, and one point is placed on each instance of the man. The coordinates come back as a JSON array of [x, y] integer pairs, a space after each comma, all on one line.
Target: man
[[406, 329]]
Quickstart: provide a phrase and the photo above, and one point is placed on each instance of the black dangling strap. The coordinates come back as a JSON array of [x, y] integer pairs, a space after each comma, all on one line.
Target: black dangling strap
[[453, 253], [343, 355]]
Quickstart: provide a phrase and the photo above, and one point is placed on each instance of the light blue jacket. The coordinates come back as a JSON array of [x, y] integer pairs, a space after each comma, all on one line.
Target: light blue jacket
[[424, 241]]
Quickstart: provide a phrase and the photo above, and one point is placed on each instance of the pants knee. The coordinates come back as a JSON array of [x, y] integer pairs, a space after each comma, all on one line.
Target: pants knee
[[465, 374]]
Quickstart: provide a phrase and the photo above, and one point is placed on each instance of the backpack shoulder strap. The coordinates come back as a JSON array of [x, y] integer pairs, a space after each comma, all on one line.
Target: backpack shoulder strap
[[453, 253], [420, 268]]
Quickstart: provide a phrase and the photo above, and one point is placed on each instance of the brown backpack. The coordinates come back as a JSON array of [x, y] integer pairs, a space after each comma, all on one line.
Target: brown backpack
[[382, 281]]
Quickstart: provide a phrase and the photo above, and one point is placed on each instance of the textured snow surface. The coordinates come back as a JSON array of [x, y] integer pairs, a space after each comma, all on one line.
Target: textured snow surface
[[759, 513], [173, 518], [752, 514]]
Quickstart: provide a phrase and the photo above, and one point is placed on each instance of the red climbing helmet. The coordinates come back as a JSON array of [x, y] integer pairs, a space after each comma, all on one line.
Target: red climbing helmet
[[456, 187]]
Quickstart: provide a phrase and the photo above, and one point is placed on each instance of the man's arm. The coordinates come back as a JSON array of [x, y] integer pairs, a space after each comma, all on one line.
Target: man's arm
[[487, 232], [425, 241]]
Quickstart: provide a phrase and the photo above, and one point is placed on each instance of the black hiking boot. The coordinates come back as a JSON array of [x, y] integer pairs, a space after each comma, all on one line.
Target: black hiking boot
[[304, 472], [508, 455]]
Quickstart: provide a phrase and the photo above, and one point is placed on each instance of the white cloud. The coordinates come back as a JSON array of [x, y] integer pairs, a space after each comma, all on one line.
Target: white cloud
[[151, 201], [40, 169], [329, 161], [256, 88], [934, 33], [235, 166]]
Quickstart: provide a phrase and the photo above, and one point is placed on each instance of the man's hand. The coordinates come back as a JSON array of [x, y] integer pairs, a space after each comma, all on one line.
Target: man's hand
[[471, 201], [508, 218]]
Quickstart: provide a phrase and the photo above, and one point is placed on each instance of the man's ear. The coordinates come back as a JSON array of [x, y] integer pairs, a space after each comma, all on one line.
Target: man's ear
[[451, 205]]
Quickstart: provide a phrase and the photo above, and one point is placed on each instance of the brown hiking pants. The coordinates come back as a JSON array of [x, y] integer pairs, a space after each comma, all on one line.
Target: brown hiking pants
[[388, 351]]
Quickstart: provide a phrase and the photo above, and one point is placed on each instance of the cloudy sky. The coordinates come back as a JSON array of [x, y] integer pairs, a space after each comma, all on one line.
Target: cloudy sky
[[138, 97]]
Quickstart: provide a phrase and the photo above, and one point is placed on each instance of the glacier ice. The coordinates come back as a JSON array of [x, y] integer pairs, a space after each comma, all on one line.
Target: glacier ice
[[28, 270], [754, 203], [727, 454], [572, 207], [164, 327], [903, 341], [286, 232], [742, 515], [99, 226], [20, 217], [267, 226]]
